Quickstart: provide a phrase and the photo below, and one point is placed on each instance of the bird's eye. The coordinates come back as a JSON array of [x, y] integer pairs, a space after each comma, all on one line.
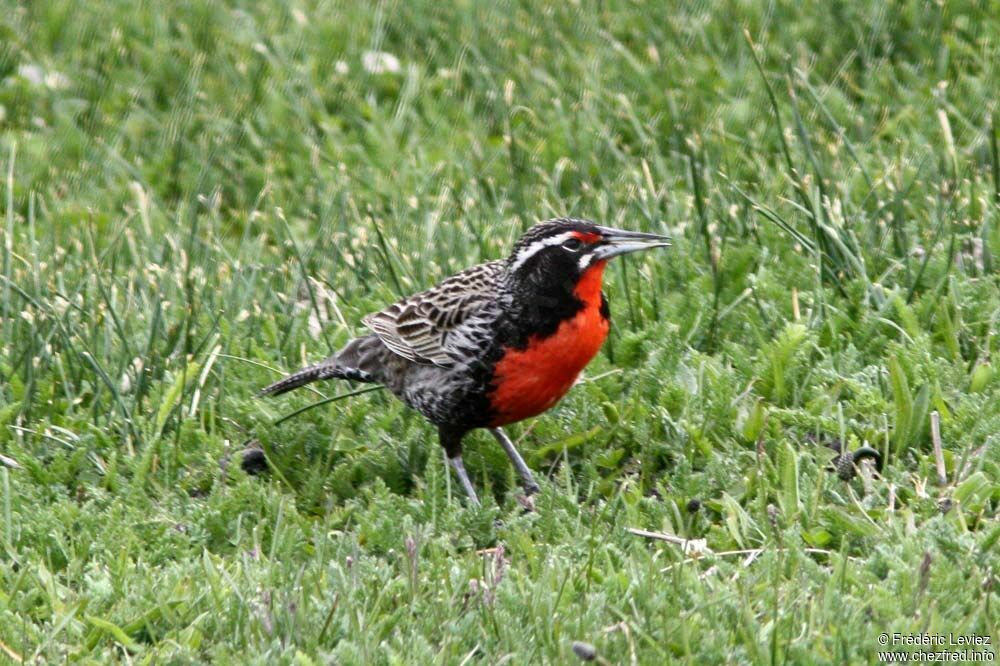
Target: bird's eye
[[572, 245]]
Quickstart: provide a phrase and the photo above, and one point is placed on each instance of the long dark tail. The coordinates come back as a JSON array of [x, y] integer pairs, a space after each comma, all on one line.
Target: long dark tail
[[364, 352], [328, 369]]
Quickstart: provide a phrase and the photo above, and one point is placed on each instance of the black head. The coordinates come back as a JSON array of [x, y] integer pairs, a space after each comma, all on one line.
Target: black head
[[563, 249], [547, 267]]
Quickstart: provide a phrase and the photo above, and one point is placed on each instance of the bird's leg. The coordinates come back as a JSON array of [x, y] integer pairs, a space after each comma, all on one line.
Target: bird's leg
[[527, 480], [463, 478], [451, 440]]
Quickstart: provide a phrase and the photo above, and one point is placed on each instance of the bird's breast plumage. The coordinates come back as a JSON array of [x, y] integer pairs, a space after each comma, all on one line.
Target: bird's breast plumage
[[531, 379]]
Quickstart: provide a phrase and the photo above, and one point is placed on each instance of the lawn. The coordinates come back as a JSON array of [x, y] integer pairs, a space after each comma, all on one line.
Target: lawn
[[199, 196]]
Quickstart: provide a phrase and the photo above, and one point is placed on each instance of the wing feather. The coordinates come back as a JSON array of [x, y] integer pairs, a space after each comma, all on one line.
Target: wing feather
[[430, 327]]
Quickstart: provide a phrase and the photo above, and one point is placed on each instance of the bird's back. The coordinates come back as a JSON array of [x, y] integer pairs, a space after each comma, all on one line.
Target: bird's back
[[436, 350]]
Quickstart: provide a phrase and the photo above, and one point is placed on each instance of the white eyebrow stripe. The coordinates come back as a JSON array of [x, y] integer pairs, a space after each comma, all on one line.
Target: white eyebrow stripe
[[534, 248]]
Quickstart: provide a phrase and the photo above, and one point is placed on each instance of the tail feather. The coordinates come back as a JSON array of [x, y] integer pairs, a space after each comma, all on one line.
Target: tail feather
[[324, 370], [359, 353]]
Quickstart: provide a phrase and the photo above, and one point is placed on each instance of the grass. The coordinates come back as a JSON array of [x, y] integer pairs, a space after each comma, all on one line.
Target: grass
[[199, 198]]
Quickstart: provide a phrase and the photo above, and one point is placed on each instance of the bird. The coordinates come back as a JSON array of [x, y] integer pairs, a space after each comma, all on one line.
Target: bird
[[494, 344]]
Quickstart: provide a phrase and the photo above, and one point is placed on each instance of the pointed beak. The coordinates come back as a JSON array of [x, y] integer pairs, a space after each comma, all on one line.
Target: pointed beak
[[618, 241]]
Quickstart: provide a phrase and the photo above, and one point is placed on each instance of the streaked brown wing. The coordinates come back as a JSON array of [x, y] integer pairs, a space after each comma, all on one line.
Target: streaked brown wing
[[426, 327]]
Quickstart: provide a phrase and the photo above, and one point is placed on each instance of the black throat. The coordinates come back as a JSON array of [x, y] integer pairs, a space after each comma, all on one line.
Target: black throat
[[541, 301]]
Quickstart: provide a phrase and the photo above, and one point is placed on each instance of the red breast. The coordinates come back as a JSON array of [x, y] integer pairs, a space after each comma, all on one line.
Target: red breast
[[531, 380]]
